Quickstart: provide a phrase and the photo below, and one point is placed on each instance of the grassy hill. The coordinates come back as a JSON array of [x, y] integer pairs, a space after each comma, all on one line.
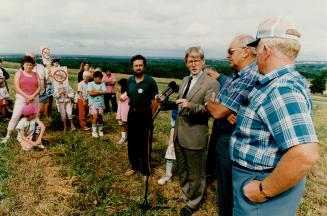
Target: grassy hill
[[81, 175]]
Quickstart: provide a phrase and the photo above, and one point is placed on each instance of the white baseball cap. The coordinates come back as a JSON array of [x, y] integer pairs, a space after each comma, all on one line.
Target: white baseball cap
[[276, 27]]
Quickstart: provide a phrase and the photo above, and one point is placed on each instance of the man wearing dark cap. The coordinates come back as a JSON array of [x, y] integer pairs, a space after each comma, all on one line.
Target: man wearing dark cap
[[274, 144]]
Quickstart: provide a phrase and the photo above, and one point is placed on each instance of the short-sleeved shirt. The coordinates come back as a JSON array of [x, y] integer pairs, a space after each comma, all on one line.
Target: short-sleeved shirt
[[111, 78], [43, 75], [96, 101], [82, 87], [278, 115], [234, 90], [140, 94], [27, 126]]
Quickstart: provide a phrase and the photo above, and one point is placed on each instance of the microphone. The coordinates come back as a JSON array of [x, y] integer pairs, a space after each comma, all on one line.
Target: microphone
[[172, 87], [162, 98]]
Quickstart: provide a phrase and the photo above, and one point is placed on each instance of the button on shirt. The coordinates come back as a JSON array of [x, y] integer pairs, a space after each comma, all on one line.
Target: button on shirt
[[277, 117], [141, 93]]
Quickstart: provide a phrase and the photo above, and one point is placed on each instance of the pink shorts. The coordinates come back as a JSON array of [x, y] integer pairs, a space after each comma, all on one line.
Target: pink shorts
[[96, 110]]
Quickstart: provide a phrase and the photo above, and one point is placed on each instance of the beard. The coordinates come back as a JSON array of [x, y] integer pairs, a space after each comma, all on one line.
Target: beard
[[139, 73]]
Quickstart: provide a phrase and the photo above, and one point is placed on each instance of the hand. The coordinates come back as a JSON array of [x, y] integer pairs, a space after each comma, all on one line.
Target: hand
[[231, 118], [252, 191], [183, 103], [29, 99], [213, 74]]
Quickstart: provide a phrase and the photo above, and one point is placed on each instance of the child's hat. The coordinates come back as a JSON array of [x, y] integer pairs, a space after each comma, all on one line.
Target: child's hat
[[86, 74], [29, 109]]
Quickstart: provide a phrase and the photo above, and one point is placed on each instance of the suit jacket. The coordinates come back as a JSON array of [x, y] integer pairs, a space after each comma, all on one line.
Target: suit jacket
[[191, 127]]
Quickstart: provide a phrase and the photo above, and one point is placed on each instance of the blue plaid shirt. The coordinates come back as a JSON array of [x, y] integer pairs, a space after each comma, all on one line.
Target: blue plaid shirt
[[235, 89], [278, 116]]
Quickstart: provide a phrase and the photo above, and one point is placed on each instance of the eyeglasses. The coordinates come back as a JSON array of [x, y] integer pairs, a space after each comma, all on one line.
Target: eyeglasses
[[196, 62], [230, 51]]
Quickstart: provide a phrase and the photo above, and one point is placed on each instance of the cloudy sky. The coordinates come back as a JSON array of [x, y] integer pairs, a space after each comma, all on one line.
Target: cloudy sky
[[152, 27]]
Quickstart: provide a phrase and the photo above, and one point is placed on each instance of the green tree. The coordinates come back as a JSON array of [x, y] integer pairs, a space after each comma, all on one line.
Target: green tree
[[318, 84]]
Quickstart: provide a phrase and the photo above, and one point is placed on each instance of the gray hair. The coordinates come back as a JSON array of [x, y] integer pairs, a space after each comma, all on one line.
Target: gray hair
[[197, 50], [284, 47]]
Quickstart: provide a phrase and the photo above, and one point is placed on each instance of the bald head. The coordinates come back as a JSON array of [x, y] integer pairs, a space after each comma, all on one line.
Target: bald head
[[243, 40]]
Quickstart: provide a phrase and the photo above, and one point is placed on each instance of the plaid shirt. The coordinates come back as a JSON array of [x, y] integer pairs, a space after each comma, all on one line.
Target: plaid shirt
[[277, 116], [235, 89]]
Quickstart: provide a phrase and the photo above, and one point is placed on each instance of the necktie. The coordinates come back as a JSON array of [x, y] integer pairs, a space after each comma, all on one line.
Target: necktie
[[187, 87]]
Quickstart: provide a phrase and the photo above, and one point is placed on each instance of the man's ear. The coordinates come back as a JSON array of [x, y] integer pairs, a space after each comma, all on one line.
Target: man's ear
[[267, 50]]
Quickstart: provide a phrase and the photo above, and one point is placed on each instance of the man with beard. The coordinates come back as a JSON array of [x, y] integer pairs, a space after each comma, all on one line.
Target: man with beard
[[141, 90]]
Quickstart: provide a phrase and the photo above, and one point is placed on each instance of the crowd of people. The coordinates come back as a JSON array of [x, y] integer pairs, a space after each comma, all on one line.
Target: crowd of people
[[263, 140]]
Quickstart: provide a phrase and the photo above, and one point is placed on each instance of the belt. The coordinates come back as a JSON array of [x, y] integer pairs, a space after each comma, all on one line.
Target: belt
[[251, 170]]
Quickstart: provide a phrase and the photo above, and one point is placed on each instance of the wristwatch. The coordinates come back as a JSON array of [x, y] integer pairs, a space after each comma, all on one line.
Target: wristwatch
[[263, 192]]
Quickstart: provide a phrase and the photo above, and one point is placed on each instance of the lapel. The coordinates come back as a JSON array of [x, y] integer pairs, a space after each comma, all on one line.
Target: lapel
[[197, 86]]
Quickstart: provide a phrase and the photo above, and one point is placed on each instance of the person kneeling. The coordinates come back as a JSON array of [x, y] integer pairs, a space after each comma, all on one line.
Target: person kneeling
[[30, 129]]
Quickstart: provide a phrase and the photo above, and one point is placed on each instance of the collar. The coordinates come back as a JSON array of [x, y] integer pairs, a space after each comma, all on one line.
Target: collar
[[276, 73], [196, 76], [246, 69]]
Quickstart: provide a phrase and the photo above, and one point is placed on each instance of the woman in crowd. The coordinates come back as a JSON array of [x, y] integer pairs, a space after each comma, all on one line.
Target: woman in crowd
[[27, 85]]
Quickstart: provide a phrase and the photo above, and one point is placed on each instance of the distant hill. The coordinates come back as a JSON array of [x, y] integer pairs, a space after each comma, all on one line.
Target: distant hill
[[158, 67]]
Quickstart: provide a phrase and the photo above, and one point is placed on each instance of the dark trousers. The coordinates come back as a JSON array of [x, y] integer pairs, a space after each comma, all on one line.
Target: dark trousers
[[224, 175], [139, 136], [110, 98], [191, 165], [211, 156]]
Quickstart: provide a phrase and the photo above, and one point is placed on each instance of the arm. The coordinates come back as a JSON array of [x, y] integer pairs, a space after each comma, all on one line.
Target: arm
[[217, 110], [294, 166], [96, 92], [22, 135], [39, 138], [37, 91], [17, 87]]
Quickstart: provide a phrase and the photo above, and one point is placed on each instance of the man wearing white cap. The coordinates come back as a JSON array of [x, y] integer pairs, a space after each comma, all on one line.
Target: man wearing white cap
[[274, 144]]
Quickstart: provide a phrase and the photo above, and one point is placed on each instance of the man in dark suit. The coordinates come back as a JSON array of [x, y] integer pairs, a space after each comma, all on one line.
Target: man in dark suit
[[191, 130]]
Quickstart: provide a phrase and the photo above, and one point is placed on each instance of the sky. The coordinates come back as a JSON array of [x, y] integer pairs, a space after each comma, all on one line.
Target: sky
[[161, 28]]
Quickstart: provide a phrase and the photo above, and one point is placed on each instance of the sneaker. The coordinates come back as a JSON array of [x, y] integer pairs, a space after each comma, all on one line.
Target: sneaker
[[164, 180], [100, 133], [41, 146], [129, 173], [122, 140], [85, 129], [4, 140], [95, 134]]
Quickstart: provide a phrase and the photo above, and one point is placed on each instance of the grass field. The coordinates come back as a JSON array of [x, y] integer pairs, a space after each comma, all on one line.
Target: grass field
[[80, 175]]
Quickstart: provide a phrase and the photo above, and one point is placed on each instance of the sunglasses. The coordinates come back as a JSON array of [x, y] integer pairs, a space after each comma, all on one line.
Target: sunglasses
[[230, 51]]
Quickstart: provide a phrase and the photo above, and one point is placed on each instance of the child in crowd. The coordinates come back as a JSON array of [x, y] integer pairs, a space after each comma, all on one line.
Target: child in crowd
[[96, 90], [4, 97], [170, 152], [122, 110], [82, 103], [63, 95], [110, 97], [30, 128]]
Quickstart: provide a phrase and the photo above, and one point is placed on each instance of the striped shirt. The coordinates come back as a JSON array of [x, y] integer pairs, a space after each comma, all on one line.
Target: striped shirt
[[278, 115]]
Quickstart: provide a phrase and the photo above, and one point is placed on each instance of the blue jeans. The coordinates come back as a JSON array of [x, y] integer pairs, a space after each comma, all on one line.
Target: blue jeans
[[285, 204]]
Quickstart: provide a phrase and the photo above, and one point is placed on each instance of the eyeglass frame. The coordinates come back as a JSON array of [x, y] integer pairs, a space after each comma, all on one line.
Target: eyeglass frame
[[195, 62], [230, 51]]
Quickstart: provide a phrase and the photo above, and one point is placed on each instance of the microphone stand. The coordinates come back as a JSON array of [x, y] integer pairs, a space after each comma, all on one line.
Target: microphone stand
[[145, 205]]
